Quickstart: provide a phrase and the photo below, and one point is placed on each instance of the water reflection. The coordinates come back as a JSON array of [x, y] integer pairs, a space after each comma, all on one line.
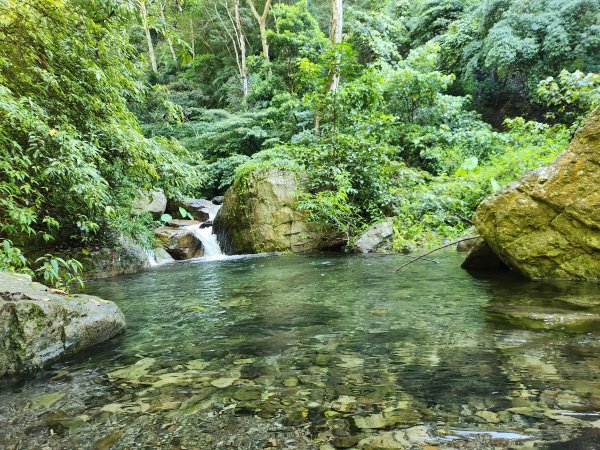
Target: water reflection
[[310, 351]]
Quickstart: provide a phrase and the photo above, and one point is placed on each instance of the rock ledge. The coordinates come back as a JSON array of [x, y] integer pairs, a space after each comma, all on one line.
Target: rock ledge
[[39, 327]]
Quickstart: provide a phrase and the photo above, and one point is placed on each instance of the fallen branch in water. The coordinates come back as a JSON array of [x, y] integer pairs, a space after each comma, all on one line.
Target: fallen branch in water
[[435, 250], [418, 257]]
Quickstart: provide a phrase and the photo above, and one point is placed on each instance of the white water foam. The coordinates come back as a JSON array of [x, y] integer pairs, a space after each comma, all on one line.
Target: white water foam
[[212, 249]]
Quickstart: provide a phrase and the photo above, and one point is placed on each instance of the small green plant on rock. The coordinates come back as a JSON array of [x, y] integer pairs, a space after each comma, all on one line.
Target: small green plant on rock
[[59, 273]]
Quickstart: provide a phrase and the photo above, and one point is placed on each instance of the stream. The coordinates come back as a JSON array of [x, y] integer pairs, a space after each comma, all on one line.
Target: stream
[[320, 352]]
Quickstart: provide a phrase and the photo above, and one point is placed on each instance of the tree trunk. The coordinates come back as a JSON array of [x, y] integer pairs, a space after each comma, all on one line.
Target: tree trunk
[[262, 25], [337, 23], [144, 16], [166, 32], [192, 38], [242, 48]]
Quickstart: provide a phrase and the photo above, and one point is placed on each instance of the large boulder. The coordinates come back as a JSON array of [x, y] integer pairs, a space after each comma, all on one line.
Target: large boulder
[[154, 202], [180, 243], [39, 326], [547, 225], [376, 239], [125, 257], [259, 215]]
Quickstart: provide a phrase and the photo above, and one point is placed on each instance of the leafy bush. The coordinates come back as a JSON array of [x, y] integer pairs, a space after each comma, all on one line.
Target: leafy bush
[[59, 273]]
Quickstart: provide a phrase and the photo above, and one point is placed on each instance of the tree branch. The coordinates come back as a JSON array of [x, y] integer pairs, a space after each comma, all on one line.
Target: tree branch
[[435, 250]]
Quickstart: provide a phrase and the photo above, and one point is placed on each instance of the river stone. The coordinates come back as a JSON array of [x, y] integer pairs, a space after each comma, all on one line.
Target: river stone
[[377, 238], [39, 327], [125, 257], [179, 243], [547, 225], [154, 202], [200, 209], [373, 421], [259, 215], [391, 440], [160, 257], [532, 317], [182, 223]]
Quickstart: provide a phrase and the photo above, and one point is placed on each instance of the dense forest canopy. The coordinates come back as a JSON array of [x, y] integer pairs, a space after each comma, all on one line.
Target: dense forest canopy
[[413, 110]]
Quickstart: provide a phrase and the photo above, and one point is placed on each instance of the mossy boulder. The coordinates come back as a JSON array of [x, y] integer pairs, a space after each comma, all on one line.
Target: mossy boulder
[[39, 326], [125, 257], [259, 214], [547, 225]]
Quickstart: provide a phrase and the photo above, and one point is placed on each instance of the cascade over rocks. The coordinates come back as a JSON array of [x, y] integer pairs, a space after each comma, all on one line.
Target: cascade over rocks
[[259, 215], [547, 225], [39, 327]]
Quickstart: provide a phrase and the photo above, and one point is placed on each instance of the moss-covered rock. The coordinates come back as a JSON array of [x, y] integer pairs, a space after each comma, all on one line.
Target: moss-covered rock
[[547, 225], [39, 326], [259, 215]]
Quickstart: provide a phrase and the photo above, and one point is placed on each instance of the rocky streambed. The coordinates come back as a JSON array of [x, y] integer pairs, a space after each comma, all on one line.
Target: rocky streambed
[[324, 352]]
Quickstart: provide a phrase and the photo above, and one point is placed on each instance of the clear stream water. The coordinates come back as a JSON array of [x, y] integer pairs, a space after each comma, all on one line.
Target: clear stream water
[[323, 351]]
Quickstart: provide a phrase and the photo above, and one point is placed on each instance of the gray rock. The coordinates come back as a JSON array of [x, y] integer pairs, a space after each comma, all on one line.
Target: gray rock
[[181, 223], [160, 256], [376, 239], [154, 202], [259, 215], [218, 200], [466, 246], [179, 243], [200, 209], [39, 327], [125, 258]]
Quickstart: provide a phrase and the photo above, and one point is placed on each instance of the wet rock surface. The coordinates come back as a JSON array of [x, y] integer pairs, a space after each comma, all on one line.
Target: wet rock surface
[[547, 225], [180, 243], [126, 257], [39, 326], [261, 216]]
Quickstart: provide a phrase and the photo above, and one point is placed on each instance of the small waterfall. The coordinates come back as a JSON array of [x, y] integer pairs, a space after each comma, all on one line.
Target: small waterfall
[[209, 242], [211, 246]]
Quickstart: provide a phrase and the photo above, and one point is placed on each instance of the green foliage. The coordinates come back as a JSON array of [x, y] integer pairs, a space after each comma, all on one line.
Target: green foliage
[[502, 49], [401, 135], [59, 273], [12, 259], [74, 157], [571, 95]]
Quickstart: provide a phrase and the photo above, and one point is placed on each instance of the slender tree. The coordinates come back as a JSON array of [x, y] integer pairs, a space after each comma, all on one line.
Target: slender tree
[[337, 22], [166, 31], [146, 24], [238, 39], [262, 25]]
